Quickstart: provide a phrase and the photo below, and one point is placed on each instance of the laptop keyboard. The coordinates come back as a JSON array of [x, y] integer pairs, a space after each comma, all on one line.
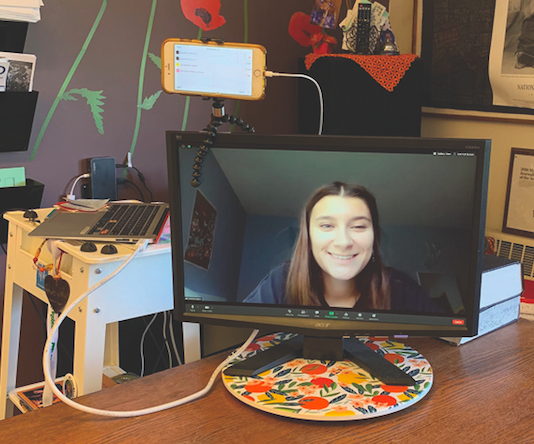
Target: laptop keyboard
[[125, 220]]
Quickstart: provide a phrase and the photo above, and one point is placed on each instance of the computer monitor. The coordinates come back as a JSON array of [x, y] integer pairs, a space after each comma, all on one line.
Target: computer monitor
[[390, 243]]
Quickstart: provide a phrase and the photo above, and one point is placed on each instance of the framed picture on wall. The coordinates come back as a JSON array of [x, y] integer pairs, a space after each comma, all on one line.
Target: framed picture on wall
[[519, 205], [455, 48], [201, 232]]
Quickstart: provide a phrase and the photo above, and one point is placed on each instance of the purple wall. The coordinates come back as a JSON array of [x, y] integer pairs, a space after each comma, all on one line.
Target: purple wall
[[112, 64]]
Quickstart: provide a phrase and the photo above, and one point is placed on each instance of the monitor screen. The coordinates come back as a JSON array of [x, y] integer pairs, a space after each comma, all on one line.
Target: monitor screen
[[329, 235]]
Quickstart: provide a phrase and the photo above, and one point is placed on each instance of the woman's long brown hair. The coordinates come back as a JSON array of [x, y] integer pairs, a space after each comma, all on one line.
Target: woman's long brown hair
[[304, 285]]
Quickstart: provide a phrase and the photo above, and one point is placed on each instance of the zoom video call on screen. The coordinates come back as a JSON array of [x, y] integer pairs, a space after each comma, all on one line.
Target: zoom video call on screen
[[241, 228]]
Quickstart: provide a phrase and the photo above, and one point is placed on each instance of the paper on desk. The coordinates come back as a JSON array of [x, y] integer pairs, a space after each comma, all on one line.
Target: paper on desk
[[85, 204]]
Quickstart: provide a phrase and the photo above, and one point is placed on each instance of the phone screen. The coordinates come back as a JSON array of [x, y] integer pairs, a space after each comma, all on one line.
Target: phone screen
[[213, 70]]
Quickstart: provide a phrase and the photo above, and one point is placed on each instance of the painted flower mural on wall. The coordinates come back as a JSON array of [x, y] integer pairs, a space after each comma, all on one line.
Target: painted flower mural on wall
[[203, 13]]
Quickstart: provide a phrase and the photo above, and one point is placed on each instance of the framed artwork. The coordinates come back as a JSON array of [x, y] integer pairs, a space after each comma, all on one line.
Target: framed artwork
[[325, 13], [201, 232], [519, 205], [455, 48]]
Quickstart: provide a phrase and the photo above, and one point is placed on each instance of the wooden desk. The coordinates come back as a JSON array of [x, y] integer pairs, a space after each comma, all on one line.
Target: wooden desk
[[483, 393]]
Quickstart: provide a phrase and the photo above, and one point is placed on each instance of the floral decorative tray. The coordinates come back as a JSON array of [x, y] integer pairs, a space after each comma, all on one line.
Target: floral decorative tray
[[331, 390]]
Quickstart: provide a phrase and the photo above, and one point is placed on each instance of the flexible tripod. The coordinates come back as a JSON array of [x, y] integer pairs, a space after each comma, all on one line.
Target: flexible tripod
[[218, 117]]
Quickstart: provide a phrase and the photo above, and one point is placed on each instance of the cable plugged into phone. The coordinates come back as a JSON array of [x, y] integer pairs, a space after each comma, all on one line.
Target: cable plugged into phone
[[304, 76]]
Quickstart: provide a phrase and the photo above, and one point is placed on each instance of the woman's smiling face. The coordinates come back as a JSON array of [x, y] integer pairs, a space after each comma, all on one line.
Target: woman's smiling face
[[341, 236]]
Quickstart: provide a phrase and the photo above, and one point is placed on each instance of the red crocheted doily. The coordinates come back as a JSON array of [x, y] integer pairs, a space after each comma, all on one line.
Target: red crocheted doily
[[386, 70]]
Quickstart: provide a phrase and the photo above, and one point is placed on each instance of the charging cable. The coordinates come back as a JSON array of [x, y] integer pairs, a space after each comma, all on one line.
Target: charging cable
[[125, 414], [139, 175], [71, 195], [304, 76]]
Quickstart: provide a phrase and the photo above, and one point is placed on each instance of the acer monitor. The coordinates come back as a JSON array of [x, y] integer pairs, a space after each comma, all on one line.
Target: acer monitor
[[330, 237]]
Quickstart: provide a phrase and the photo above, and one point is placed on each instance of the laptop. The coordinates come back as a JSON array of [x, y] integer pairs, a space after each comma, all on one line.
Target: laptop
[[118, 222]]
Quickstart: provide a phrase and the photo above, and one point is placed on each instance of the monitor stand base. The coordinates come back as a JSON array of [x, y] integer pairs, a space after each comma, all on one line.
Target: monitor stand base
[[323, 349]]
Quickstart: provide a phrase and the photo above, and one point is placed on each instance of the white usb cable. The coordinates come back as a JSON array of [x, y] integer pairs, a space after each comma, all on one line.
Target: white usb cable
[[71, 195], [124, 414], [304, 76]]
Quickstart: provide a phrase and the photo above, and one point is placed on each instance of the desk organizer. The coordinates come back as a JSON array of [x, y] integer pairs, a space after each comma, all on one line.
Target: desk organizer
[[331, 390]]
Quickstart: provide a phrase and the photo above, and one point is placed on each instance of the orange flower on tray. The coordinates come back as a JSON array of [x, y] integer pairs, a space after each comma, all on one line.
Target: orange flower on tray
[[203, 13], [258, 386], [306, 390]]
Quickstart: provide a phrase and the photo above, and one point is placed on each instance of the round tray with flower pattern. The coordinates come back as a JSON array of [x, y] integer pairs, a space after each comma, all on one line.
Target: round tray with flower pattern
[[331, 390]]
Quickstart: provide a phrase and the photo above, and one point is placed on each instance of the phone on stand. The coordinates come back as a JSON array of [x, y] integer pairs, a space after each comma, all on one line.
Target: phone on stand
[[213, 69]]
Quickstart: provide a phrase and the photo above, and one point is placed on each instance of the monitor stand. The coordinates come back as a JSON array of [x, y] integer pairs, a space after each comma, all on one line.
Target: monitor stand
[[322, 380], [323, 349]]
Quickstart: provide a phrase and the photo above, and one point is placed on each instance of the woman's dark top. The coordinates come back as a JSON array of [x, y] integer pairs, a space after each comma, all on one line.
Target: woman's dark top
[[406, 294]]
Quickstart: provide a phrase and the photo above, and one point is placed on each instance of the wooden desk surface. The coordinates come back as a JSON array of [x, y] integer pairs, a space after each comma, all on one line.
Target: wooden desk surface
[[483, 393]]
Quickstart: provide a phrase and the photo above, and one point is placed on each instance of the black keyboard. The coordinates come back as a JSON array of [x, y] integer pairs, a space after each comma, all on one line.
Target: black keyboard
[[125, 220]]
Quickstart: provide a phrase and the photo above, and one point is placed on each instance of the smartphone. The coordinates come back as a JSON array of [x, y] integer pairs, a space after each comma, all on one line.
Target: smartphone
[[212, 69]]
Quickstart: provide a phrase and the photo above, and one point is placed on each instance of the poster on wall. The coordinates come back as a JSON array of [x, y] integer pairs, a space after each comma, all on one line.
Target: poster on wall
[[201, 232], [511, 63], [455, 50], [519, 206]]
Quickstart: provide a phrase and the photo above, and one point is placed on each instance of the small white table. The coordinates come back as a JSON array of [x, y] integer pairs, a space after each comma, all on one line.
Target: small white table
[[144, 287]]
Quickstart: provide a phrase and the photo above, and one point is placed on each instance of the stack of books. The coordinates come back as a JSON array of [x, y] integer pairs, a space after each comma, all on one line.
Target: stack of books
[[527, 301], [500, 296]]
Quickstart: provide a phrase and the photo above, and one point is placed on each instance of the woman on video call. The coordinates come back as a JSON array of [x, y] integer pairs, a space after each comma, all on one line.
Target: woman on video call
[[337, 260]]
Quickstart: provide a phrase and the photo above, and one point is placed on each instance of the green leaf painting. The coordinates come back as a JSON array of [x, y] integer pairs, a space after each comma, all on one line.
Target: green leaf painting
[[94, 100], [68, 79], [155, 59], [149, 102]]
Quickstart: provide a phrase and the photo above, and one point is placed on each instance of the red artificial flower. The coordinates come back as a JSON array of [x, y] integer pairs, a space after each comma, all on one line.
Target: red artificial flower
[[301, 29], [203, 13]]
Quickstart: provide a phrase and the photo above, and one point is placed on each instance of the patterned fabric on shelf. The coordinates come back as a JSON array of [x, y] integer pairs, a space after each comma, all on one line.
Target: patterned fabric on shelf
[[387, 70]]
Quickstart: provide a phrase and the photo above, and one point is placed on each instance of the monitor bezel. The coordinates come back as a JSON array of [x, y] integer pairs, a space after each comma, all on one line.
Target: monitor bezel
[[338, 327]]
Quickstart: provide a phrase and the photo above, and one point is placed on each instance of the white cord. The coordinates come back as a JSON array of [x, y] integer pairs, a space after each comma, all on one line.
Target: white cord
[[83, 176], [304, 76], [141, 345], [171, 328], [165, 313], [125, 414], [158, 408]]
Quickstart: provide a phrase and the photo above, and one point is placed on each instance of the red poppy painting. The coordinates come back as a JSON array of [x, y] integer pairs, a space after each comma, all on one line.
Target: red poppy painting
[[203, 13]]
